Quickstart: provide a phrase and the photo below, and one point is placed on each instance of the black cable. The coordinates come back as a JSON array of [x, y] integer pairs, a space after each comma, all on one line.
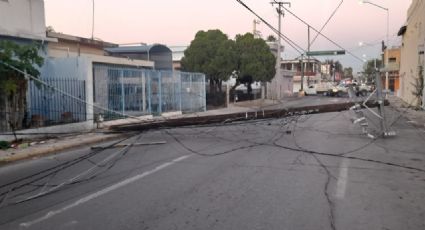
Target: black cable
[[52, 170], [326, 23], [326, 37], [285, 38], [339, 155], [106, 167]]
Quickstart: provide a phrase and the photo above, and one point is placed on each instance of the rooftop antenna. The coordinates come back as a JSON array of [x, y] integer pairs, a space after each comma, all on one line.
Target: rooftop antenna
[[255, 32]]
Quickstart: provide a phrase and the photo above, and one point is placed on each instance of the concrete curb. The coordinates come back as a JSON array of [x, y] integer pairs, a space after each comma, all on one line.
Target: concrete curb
[[54, 148]]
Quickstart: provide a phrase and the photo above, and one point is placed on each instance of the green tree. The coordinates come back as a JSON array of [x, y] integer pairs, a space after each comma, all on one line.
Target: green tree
[[13, 85], [246, 57], [211, 53], [255, 60], [348, 72], [418, 87], [271, 38], [370, 70], [335, 67]]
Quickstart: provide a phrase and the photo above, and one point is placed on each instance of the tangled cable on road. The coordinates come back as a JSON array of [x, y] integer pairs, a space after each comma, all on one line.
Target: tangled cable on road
[[279, 128], [34, 178]]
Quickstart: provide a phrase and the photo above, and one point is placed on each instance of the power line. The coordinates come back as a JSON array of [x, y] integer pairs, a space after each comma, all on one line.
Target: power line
[[326, 23], [65, 93], [320, 33], [285, 38]]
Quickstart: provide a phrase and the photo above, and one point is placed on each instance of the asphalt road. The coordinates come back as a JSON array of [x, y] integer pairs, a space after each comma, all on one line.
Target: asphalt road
[[302, 172]]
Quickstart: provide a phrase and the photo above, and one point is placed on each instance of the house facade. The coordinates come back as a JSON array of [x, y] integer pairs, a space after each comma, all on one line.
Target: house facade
[[84, 79], [66, 45], [392, 57], [312, 72], [281, 85]]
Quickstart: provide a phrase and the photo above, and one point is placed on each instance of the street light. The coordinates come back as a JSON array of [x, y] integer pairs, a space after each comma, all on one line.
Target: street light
[[383, 8], [388, 29], [365, 44], [92, 25]]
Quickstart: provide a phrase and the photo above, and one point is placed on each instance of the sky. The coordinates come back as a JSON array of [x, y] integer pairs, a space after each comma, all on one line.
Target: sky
[[173, 22]]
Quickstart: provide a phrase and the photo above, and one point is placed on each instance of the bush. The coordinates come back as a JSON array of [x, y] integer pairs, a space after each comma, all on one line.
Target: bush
[[4, 145]]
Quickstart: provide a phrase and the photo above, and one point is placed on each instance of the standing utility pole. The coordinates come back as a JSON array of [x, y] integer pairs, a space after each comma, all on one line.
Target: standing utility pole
[[422, 56], [308, 56], [281, 14]]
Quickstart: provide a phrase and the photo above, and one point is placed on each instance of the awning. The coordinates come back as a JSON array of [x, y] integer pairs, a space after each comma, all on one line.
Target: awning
[[402, 31]]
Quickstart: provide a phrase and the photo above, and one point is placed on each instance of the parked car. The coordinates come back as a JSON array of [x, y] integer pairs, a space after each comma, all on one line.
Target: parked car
[[310, 90], [362, 89], [339, 90]]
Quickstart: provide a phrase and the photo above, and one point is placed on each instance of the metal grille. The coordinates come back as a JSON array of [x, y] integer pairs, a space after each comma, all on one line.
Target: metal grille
[[137, 92], [47, 106]]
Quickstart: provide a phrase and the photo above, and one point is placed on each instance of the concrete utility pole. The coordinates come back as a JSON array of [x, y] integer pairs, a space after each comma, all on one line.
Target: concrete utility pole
[[381, 102], [308, 56], [421, 54], [302, 72], [281, 14]]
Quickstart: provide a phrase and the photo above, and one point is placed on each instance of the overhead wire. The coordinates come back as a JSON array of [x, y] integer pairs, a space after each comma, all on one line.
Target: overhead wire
[[65, 93], [323, 35], [326, 23], [284, 37]]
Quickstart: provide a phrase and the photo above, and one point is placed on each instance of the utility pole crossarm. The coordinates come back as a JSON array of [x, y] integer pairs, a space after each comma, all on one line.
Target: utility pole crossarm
[[280, 12]]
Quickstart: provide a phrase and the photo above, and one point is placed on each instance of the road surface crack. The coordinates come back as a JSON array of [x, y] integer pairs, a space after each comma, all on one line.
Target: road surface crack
[[326, 193]]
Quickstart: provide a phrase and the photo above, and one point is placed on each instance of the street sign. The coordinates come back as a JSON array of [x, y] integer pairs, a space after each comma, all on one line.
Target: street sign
[[326, 53]]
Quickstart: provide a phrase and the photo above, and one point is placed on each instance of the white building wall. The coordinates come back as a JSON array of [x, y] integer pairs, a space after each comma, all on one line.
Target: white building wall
[[23, 18], [281, 86], [413, 40]]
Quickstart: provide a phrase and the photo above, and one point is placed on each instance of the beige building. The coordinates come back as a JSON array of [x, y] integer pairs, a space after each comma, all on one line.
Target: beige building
[[412, 51], [73, 46], [392, 67], [69, 46]]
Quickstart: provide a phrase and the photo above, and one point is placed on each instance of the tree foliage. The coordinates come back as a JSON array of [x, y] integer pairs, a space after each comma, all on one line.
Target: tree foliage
[[418, 87], [13, 85], [219, 57], [271, 38], [254, 58], [22, 57], [348, 72], [203, 55], [370, 68]]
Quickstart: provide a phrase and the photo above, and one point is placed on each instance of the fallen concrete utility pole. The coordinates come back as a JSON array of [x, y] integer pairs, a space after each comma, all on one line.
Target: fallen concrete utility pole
[[134, 144], [259, 114]]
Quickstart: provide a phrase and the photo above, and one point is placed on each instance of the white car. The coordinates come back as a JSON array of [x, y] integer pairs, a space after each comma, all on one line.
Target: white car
[[310, 90]]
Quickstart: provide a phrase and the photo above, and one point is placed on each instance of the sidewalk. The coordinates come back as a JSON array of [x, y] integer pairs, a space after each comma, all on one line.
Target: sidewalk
[[41, 147], [37, 148], [415, 117]]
